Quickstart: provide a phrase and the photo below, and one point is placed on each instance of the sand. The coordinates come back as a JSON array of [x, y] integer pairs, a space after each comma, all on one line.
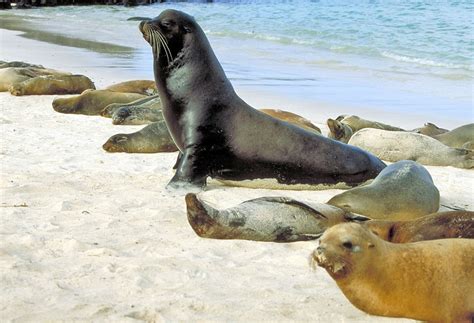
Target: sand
[[87, 235]]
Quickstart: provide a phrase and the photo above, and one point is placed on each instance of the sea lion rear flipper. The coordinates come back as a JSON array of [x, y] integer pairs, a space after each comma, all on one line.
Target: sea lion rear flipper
[[356, 217], [289, 201]]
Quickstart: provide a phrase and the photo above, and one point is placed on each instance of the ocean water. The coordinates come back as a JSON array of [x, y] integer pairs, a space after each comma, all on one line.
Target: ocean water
[[406, 57]]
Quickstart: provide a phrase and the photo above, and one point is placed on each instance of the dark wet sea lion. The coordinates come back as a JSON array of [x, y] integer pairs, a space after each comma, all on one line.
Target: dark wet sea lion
[[275, 219], [223, 137], [402, 191], [441, 225], [343, 127], [427, 280], [92, 102], [144, 87], [154, 138], [52, 84], [457, 137], [394, 146]]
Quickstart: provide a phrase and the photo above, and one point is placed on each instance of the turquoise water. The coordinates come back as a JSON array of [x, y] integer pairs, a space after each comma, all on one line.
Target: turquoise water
[[408, 56]]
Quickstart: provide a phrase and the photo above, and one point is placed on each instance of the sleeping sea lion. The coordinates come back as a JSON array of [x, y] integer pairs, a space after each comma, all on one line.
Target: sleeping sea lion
[[10, 76], [430, 129], [441, 225], [52, 84], [393, 146], [457, 137], [345, 126], [4, 64], [428, 280], [292, 118], [276, 219], [402, 191], [92, 102], [144, 87], [154, 138], [223, 137]]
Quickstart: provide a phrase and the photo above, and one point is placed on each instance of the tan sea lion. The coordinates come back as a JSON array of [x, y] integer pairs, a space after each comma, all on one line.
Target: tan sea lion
[[144, 87], [457, 137], [441, 225], [13, 75], [428, 280], [402, 191], [343, 127], [52, 84], [293, 119], [430, 129], [92, 102], [393, 146], [154, 138], [275, 219]]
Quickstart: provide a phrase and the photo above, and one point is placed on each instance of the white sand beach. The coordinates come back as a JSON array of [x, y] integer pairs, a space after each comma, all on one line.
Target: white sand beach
[[86, 235]]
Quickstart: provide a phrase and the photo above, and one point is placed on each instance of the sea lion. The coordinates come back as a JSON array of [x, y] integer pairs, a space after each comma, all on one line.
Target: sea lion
[[457, 137], [343, 127], [223, 137], [154, 138], [430, 129], [402, 191], [276, 219], [10, 76], [292, 118], [441, 225], [428, 280], [144, 87], [393, 146], [468, 145], [52, 84], [142, 111], [92, 102], [4, 64]]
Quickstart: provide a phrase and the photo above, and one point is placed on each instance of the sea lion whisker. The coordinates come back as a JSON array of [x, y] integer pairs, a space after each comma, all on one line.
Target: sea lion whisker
[[164, 43]]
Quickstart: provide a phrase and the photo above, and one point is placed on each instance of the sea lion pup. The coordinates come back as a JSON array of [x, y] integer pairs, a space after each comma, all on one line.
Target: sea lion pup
[[393, 146], [441, 225], [92, 102], [52, 84], [402, 191], [292, 118], [154, 138], [223, 137], [343, 127], [13, 75], [457, 137], [430, 129], [428, 280], [144, 87], [275, 219]]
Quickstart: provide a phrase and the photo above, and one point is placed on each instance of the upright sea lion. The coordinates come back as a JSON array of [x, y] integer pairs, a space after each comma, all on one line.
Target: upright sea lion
[[428, 280], [144, 87], [223, 137], [292, 118], [345, 126], [430, 129], [52, 84], [441, 225], [457, 137], [276, 219], [402, 191], [396, 145], [154, 138], [92, 102]]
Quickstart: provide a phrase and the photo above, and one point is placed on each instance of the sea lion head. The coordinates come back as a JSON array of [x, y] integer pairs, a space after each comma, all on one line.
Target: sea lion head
[[121, 115], [339, 131], [116, 144], [169, 35], [16, 89], [345, 249]]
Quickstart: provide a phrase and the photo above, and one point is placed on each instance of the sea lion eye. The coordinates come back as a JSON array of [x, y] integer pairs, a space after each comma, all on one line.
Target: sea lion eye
[[167, 23], [347, 245]]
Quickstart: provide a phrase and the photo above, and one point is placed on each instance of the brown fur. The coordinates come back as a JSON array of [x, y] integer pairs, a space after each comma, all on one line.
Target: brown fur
[[441, 225], [292, 118], [52, 84], [144, 87], [428, 280], [430, 129], [10, 76], [92, 102]]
